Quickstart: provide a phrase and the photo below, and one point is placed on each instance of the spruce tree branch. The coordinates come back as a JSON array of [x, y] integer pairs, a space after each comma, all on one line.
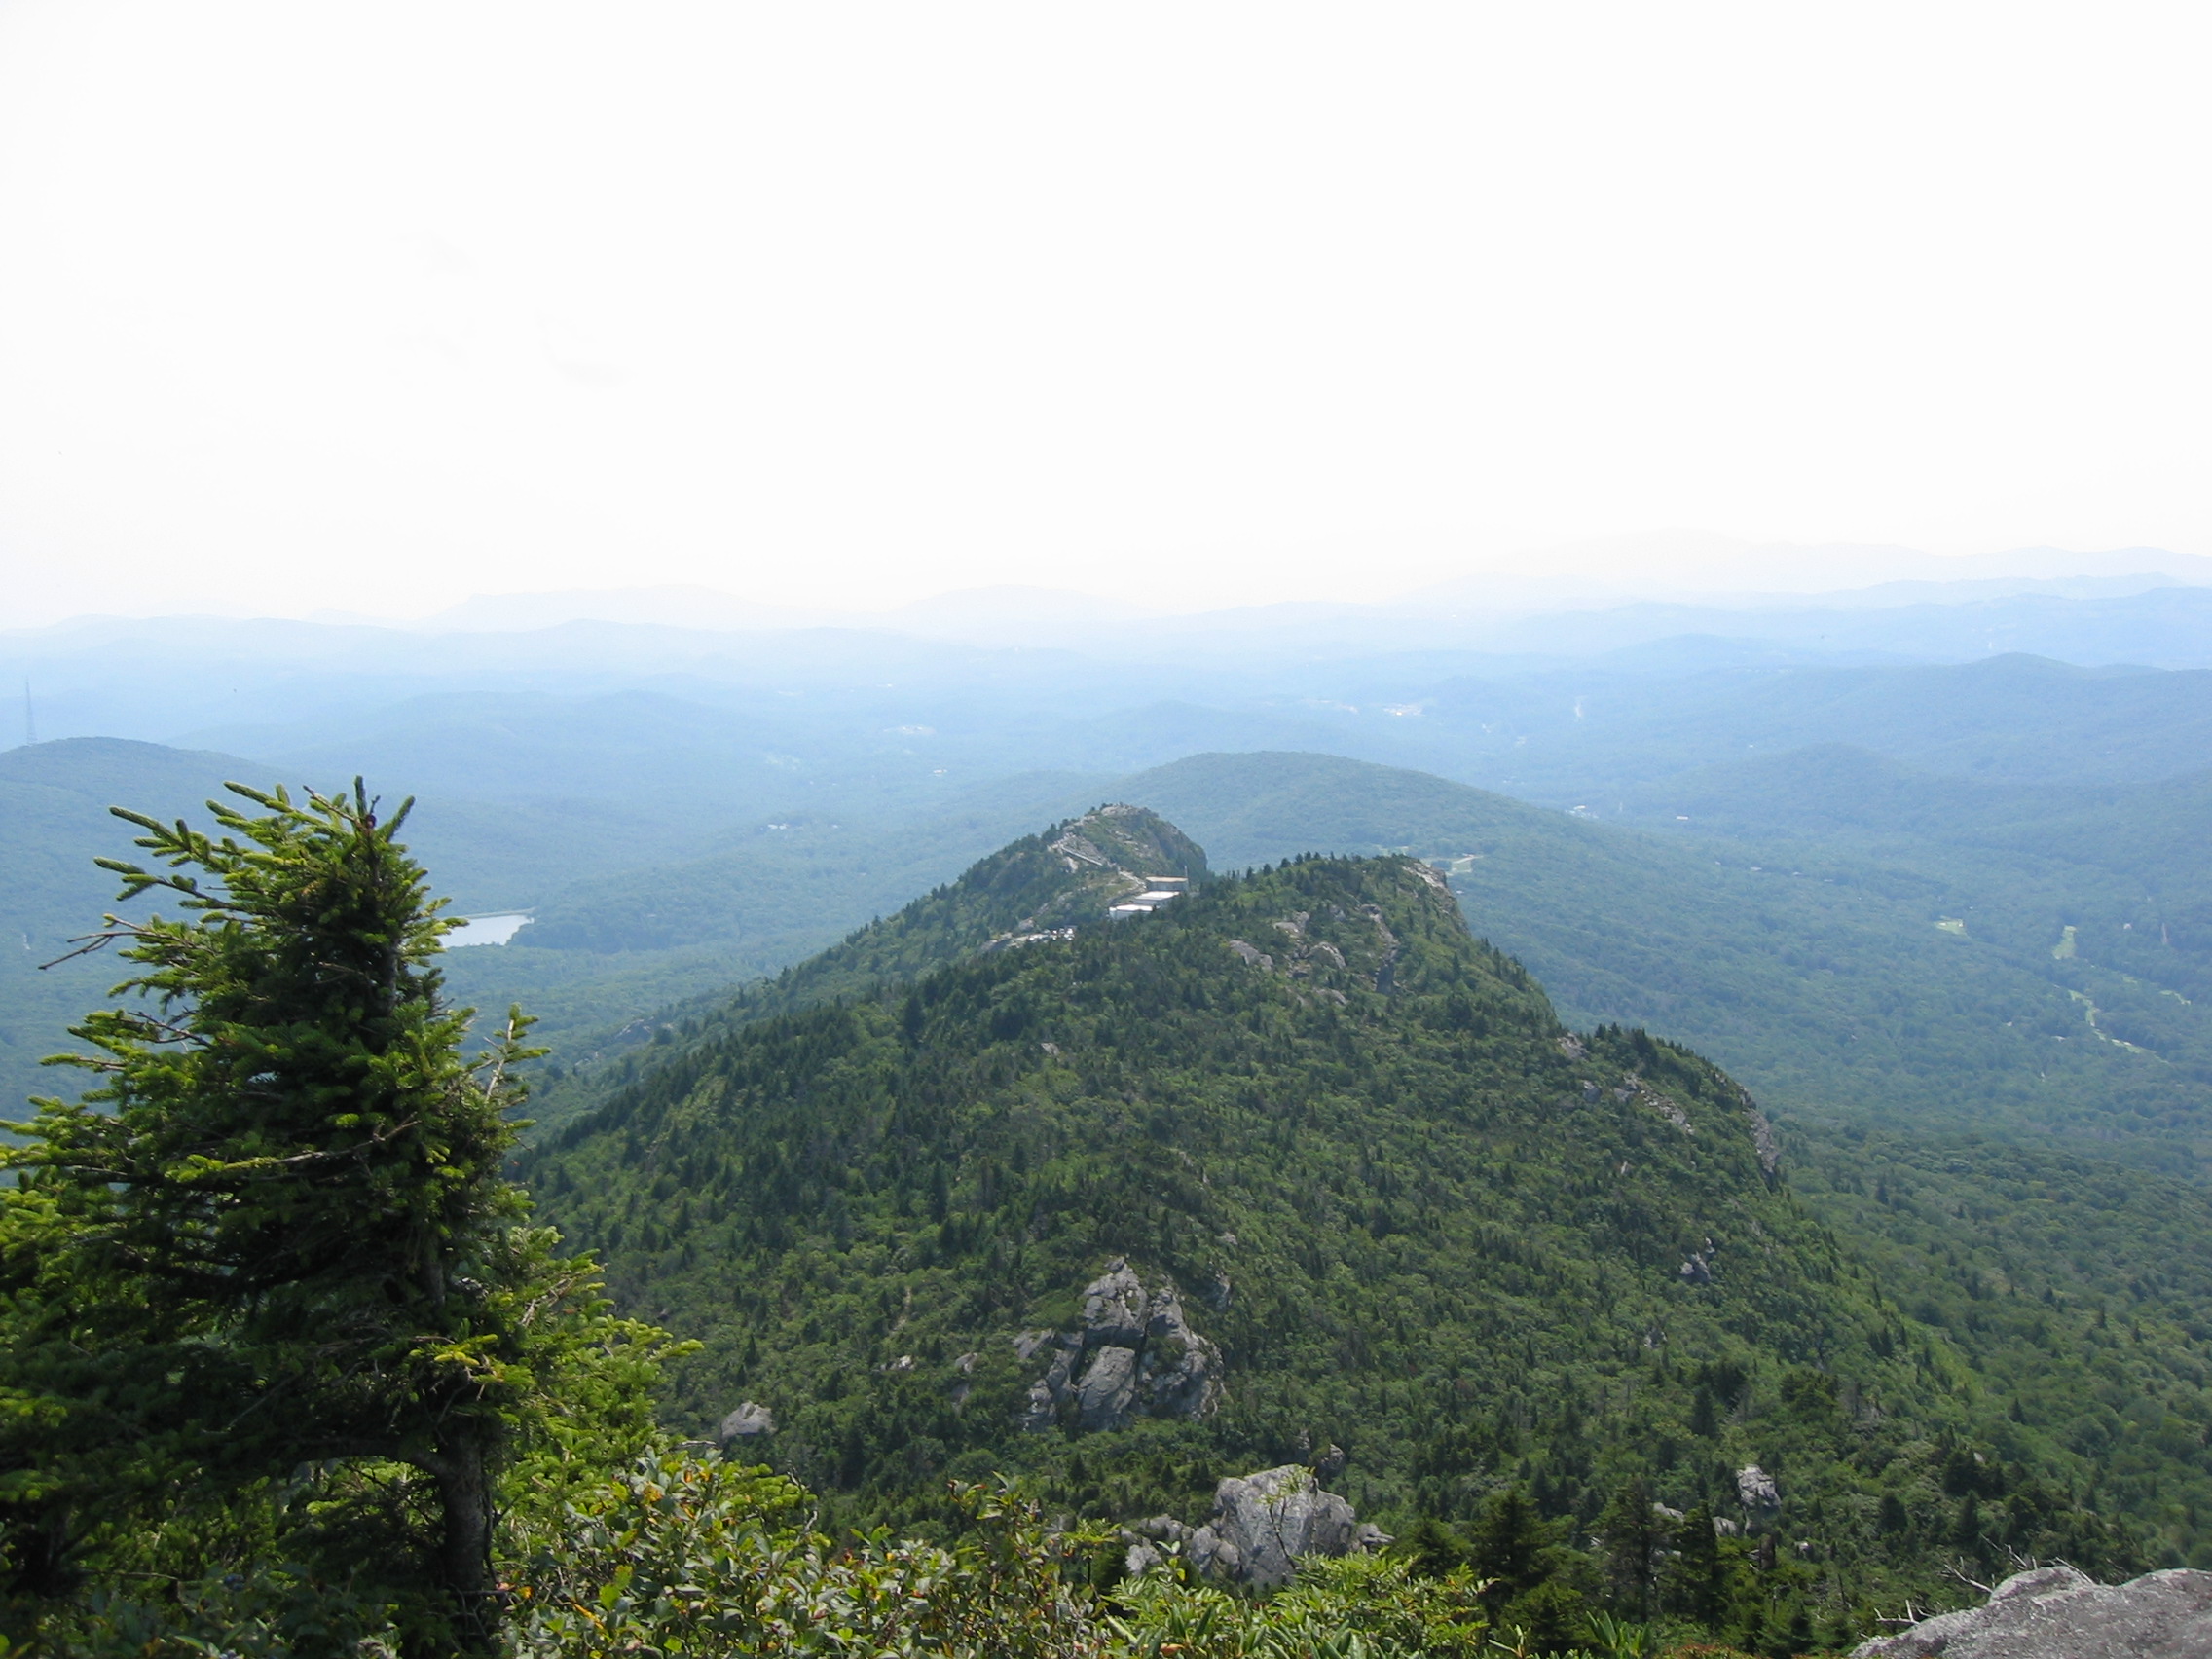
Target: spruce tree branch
[[88, 944]]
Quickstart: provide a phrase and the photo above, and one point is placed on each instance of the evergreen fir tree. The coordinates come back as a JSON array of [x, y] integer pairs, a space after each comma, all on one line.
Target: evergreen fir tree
[[1633, 1536], [1698, 1585], [276, 1236]]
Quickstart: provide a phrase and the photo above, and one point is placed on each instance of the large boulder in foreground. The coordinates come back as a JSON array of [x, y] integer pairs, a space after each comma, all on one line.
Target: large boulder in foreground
[[2055, 1612], [1262, 1525]]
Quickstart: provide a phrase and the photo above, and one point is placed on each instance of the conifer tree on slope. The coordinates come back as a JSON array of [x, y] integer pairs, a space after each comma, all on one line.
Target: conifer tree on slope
[[277, 1235]]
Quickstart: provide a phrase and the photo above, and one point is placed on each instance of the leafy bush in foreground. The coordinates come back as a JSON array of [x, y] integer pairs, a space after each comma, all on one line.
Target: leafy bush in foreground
[[696, 1557]]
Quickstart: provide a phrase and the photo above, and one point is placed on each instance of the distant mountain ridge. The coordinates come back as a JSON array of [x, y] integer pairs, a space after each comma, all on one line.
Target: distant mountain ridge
[[1680, 567]]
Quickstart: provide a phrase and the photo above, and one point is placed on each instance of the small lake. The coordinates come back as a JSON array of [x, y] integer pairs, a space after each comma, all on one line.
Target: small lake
[[487, 929]]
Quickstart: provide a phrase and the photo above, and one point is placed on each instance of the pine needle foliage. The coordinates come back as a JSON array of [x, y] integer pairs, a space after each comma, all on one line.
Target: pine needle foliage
[[268, 1294]]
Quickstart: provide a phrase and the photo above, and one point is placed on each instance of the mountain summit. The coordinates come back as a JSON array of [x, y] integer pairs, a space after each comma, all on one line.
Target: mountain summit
[[1074, 874], [1292, 1169]]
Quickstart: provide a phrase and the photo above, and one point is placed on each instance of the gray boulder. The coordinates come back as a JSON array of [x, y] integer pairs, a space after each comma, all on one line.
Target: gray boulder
[[1263, 1523], [1150, 1541], [1050, 1389], [1756, 1488], [2055, 1612], [1133, 1354], [1115, 1305], [1141, 1558], [748, 1420], [1108, 1387]]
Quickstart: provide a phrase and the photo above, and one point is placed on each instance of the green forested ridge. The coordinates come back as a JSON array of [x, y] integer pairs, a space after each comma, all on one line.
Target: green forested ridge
[[2079, 1291], [284, 1373], [1792, 928], [1422, 1222], [1067, 876], [1808, 955], [1026, 885], [1817, 972], [2123, 869]]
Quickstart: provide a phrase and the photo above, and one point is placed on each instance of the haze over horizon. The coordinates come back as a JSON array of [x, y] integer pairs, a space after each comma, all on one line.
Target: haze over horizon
[[1675, 567], [318, 310]]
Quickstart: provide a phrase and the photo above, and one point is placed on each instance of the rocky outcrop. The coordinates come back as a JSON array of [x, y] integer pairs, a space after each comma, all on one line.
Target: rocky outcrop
[[1634, 1088], [749, 1422], [1134, 1354], [1756, 1488], [2055, 1612], [1304, 956], [1386, 966], [1763, 1137], [1262, 1525], [1015, 941]]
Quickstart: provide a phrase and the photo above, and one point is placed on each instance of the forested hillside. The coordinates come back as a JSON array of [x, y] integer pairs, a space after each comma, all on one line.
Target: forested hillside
[[640, 902], [2078, 1289], [1933, 986], [1853, 934], [1338, 1187], [1398, 1207]]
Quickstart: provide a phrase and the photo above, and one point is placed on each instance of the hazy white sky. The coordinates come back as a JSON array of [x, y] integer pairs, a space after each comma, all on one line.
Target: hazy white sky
[[375, 306]]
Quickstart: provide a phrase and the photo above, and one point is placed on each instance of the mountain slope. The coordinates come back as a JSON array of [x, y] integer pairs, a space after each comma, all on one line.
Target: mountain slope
[[1295, 1161], [2123, 867], [1833, 948], [1821, 976], [1068, 876]]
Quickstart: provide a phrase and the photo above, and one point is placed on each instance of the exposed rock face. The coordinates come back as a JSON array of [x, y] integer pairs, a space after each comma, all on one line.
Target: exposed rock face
[[1763, 1137], [1642, 1092], [749, 1420], [1384, 969], [1263, 1523], [1756, 1488], [1134, 1354], [2055, 1612]]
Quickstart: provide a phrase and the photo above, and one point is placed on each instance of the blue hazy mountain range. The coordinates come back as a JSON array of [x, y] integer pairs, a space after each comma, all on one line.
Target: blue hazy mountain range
[[680, 810], [187, 679]]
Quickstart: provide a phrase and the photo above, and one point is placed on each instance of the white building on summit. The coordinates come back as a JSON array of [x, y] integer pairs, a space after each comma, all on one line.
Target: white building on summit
[[1159, 889]]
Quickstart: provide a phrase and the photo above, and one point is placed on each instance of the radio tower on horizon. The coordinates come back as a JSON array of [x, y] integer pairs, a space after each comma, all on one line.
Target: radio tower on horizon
[[31, 726]]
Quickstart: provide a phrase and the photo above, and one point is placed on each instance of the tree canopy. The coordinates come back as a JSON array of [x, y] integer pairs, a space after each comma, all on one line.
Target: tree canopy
[[266, 1275]]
